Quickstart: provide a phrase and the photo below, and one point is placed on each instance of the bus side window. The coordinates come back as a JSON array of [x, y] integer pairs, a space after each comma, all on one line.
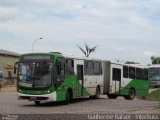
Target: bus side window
[[96, 68], [145, 74], [90, 67], [69, 67], [60, 68], [132, 72], [125, 71], [138, 73], [59, 72], [85, 67], [116, 74]]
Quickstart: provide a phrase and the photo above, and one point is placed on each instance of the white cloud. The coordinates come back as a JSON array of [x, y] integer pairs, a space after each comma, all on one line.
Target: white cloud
[[9, 13], [124, 25], [148, 53], [119, 49]]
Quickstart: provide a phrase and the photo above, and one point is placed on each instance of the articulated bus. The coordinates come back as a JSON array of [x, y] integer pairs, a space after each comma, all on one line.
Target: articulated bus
[[58, 77], [154, 76]]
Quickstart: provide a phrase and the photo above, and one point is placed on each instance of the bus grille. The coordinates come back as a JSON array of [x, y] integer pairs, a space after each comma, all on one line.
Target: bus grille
[[37, 98]]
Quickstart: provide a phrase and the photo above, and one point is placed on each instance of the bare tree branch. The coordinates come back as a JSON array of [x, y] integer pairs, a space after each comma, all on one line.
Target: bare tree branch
[[87, 50], [82, 50]]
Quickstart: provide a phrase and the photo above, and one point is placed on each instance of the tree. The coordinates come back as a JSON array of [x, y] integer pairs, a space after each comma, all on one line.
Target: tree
[[155, 60], [131, 62], [87, 50]]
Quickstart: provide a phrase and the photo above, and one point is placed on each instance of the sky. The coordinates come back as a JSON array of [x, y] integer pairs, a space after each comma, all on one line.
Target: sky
[[125, 30]]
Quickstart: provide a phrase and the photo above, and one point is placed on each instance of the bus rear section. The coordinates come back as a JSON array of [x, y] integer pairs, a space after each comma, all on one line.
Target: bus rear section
[[125, 80], [154, 76]]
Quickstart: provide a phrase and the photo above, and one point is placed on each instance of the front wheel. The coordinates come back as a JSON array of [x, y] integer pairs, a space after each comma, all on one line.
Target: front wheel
[[130, 95], [67, 98]]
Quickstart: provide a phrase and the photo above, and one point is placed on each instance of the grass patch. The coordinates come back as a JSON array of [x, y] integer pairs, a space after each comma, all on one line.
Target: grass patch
[[155, 95]]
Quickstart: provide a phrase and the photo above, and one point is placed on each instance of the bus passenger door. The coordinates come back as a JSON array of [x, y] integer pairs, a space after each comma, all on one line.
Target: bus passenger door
[[80, 80], [116, 80]]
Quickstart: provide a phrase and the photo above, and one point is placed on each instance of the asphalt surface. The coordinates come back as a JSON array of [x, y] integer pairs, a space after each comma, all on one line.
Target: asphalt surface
[[9, 104]]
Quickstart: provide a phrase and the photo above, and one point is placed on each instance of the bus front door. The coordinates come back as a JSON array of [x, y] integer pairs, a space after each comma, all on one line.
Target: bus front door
[[80, 80]]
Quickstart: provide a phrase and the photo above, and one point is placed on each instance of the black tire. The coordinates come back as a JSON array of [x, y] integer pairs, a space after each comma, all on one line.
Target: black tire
[[70, 96], [130, 95], [91, 97], [112, 96], [98, 92], [37, 102]]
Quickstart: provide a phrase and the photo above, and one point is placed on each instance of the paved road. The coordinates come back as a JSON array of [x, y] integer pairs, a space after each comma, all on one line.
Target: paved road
[[9, 104]]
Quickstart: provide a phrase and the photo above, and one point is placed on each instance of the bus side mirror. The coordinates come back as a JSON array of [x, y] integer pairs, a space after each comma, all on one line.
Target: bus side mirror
[[16, 67], [15, 70]]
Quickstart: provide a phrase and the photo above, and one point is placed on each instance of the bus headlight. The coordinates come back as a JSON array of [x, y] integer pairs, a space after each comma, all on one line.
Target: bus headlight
[[48, 91], [20, 91]]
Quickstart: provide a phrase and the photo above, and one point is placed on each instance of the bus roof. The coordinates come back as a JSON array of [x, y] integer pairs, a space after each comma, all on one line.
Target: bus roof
[[58, 54], [130, 65], [154, 66], [81, 58]]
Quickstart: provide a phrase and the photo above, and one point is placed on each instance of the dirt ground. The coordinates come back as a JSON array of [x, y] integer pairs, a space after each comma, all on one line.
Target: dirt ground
[[8, 88]]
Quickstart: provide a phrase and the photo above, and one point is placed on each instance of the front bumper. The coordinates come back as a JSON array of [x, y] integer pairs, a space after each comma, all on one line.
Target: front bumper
[[45, 97]]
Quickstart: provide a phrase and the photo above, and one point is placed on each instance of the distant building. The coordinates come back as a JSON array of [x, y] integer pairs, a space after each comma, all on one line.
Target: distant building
[[7, 60]]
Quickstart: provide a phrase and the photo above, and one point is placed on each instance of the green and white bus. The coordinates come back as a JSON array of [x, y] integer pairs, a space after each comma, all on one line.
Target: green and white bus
[[125, 80], [154, 76], [58, 77]]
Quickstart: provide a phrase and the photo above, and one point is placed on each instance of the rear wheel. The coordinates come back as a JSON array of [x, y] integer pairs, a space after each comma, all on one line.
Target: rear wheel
[[67, 98], [112, 96], [37, 102], [130, 95]]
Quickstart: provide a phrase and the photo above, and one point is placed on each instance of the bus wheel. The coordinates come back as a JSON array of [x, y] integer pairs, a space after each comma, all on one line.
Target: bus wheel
[[112, 96], [130, 95], [98, 92], [37, 102]]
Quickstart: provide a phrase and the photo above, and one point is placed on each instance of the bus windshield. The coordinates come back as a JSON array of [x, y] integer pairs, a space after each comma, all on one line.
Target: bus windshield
[[35, 74], [155, 74]]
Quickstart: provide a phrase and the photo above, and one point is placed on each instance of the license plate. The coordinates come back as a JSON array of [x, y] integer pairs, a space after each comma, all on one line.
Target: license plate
[[33, 98]]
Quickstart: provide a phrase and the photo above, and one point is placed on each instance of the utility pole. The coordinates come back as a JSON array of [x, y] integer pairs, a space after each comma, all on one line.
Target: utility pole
[[35, 42]]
